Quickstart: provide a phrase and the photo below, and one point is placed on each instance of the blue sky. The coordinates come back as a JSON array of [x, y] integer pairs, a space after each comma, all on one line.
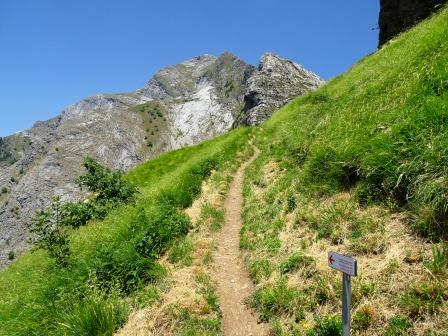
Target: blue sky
[[54, 53]]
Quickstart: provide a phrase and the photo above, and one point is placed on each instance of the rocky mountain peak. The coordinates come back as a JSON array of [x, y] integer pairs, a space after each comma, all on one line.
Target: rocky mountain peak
[[180, 105], [275, 83]]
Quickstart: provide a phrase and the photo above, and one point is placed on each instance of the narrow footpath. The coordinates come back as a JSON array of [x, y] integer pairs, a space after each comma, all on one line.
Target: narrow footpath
[[230, 274]]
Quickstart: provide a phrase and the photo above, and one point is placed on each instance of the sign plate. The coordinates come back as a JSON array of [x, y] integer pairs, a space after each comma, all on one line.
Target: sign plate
[[343, 263]]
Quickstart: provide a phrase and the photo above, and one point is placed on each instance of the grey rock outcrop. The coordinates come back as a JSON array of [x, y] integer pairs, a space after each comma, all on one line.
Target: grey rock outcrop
[[398, 15], [180, 105], [276, 82]]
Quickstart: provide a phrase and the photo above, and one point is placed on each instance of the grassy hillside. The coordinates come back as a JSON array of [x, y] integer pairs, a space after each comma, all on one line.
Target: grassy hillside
[[110, 270], [360, 167]]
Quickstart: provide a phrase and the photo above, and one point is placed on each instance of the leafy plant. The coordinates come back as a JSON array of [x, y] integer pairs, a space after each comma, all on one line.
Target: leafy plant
[[11, 255], [49, 233], [154, 234], [108, 185]]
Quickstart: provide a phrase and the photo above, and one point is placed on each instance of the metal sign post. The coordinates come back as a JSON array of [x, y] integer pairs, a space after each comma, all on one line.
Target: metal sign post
[[348, 266]]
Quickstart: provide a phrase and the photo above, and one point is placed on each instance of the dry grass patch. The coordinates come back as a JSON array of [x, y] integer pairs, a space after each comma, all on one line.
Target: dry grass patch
[[398, 291]]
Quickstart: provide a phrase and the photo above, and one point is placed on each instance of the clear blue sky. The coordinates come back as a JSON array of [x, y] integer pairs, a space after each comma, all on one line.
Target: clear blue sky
[[54, 53]]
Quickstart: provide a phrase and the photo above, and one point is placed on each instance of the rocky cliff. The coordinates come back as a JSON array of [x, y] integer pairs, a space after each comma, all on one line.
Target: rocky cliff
[[179, 106], [275, 83], [398, 15]]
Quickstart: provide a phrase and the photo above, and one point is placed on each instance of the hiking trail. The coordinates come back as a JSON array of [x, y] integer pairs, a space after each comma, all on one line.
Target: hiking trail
[[229, 271]]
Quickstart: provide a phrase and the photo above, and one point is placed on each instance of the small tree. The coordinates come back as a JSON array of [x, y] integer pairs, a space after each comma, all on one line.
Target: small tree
[[50, 235], [109, 185]]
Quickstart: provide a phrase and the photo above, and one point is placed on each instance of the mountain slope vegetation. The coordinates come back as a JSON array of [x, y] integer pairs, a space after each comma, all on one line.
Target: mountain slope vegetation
[[358, 166]]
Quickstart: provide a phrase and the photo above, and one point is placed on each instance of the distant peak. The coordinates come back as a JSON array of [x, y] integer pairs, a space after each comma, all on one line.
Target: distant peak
[[228, 54]]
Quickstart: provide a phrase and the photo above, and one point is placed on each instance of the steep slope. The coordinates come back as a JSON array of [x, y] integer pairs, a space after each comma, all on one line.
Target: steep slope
[[180, 105], [358, 167]]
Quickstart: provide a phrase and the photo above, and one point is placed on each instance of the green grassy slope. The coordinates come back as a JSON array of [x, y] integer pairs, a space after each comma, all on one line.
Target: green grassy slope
[[107, 273], [360, 167], [382, 127]]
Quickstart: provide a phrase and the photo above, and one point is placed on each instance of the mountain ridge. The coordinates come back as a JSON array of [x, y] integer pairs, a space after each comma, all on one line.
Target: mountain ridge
[[180, 105]]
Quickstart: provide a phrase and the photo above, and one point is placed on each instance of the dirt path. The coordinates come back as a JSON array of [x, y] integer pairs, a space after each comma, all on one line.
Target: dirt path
[[230, 274]]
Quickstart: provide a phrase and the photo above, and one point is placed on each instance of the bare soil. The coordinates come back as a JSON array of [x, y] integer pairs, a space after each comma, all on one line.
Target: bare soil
[[229, 271]]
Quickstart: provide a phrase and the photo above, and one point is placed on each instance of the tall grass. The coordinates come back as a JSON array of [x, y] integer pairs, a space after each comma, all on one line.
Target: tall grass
[[371, 142], [380, 128]]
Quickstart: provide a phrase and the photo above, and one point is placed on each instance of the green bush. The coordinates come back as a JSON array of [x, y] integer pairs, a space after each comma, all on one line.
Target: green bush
[[49, 234], [78, 214], [108, 185], [154, 234], [125, 271], [11, 255]]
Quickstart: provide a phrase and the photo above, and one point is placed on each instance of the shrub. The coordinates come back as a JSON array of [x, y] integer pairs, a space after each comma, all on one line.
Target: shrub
[[109, 185], [11, 255], [154, 234], [124, 272], [50, 235], [78, 214], [4, 190]]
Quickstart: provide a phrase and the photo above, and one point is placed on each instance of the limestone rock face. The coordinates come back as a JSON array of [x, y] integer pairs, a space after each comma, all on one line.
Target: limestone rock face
[[398, 15], [276, 82], [180, 105]]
